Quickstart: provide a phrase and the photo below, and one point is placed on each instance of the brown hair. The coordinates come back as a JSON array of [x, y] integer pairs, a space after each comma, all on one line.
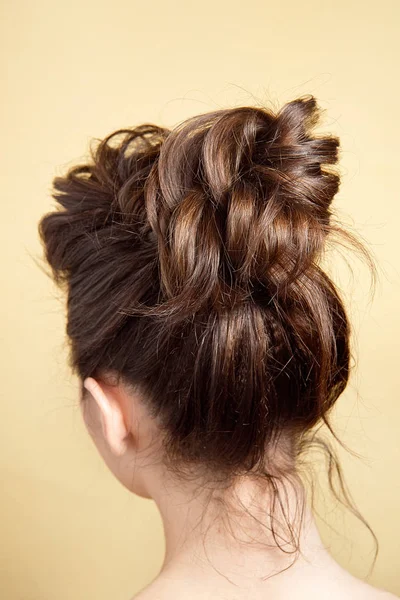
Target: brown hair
[[191, 259]]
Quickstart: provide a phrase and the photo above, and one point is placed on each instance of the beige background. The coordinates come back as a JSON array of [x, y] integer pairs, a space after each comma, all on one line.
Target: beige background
[[79, 69]]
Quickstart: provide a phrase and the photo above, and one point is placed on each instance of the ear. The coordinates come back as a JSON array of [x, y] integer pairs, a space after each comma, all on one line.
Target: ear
[[111, 414]]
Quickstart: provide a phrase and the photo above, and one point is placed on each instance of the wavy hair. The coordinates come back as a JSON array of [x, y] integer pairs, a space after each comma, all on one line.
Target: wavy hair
[[191, 258]]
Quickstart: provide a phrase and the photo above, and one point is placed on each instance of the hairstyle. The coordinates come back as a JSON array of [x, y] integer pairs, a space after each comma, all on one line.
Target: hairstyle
[[191, 260]]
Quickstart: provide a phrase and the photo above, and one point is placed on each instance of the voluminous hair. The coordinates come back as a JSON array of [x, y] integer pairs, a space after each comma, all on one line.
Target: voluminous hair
[[192, 262]]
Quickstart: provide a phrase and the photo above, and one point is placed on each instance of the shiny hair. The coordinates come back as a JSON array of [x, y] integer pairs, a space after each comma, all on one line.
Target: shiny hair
[[191, 260]]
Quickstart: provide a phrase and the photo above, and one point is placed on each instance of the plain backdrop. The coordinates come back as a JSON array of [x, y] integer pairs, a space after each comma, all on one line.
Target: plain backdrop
[[72, 71]]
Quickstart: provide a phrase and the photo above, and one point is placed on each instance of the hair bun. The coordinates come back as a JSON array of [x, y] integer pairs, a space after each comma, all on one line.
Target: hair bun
[[240, 196]]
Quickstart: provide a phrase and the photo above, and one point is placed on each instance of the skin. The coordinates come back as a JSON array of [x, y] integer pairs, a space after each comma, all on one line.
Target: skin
[[212, 553]]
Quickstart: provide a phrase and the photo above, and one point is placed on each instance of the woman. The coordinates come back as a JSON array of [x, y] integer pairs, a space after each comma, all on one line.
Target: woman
[[209, 341]]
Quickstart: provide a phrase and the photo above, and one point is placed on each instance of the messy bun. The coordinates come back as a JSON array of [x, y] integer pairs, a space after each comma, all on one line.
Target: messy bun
[[191, 259]]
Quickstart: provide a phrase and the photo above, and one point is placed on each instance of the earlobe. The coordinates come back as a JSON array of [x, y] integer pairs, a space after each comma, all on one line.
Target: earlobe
[[112, 418]]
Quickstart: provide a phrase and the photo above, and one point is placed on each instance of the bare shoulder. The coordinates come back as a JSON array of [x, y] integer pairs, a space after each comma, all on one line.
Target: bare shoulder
[[147, 594], [339, 586], [154, 591], [360, 591], [367, 593], [371, 593]]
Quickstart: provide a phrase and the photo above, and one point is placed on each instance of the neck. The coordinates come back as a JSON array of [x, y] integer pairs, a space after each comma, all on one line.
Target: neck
[[228, 537]]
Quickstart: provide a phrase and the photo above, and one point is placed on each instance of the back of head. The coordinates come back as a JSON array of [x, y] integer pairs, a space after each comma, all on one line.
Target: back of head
[[191, 259]]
